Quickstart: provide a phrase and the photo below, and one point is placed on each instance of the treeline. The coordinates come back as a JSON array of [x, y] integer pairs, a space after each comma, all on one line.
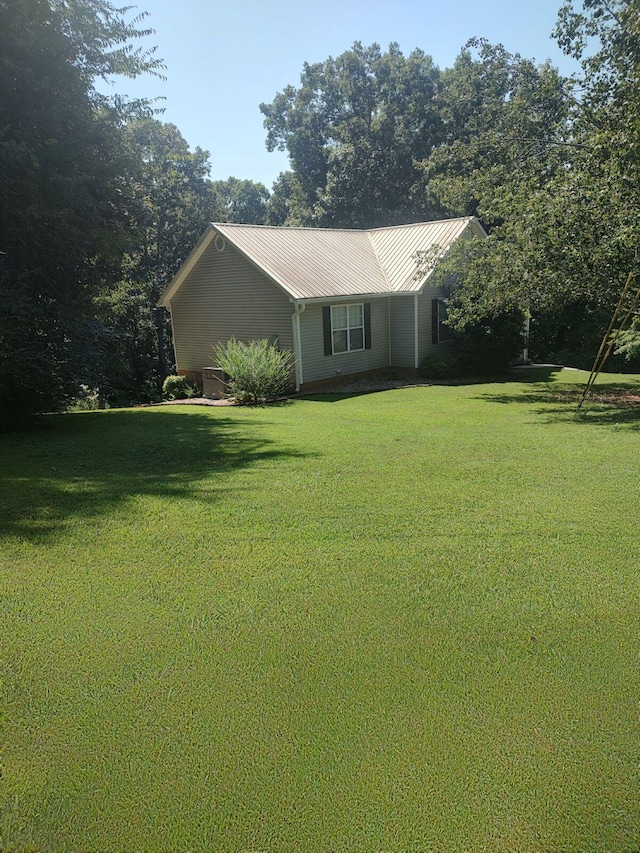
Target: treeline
[[100, 200], [99, 203], [550, 165]]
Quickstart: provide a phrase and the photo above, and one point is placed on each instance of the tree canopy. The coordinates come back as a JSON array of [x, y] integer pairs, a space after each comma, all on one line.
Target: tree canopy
[[61, 204], [355, 130], [568, 240], [99, 203]]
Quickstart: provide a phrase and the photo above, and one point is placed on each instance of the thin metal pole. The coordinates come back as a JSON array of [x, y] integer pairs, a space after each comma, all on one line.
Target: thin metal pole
[[607, 340]]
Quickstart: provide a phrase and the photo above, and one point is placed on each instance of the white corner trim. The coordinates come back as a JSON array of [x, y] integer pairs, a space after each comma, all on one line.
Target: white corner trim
[[389, 330], [416, 330]]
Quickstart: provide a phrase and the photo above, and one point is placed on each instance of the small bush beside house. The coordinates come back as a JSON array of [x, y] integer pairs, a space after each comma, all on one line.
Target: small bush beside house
[[177, 388], [257, 371], [442, 365]]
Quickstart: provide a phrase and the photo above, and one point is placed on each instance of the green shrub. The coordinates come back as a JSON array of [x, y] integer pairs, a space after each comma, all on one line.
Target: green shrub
[[485, 348], [88, 400], [257, 371], [490, 346], [177, 388], [441, 365]]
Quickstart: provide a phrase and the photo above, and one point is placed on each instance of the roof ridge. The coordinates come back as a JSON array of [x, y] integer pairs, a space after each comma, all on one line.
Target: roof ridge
[[339, 230], [289, 227]]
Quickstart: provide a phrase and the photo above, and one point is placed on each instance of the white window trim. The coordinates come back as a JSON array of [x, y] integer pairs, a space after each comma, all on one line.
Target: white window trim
[[348, 328]]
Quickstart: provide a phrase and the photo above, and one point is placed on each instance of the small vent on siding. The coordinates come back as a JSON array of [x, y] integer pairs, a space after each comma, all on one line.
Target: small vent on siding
[[219, 243]]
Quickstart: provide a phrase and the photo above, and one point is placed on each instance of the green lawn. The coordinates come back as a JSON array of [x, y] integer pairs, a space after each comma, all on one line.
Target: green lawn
[[403, 621]]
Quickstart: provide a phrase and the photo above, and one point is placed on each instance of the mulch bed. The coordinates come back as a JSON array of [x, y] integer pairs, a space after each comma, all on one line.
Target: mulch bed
[[198, 401]]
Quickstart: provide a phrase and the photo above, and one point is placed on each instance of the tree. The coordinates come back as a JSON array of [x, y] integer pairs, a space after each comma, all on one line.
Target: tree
[[61, 199], [171, 203], [567, 219], [502, 119], [558, 257], [236, 200], [287, 203], [605, 38], [355, 130]]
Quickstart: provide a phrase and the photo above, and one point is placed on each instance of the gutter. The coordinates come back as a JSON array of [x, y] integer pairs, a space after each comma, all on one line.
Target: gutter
[[351, 297], [173, 337], [389, 331]]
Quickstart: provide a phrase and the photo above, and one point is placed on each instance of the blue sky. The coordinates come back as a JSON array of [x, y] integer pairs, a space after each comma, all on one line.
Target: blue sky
[[225, 58]]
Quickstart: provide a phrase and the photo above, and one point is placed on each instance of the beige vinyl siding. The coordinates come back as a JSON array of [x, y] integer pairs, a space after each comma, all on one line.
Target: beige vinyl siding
[[403, 352], [317, 366], [223, 296]]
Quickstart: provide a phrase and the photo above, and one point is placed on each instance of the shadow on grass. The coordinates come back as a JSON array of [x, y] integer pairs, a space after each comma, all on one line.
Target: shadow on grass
[[537, 373], [608, 404], [347, 389], [84, 465]]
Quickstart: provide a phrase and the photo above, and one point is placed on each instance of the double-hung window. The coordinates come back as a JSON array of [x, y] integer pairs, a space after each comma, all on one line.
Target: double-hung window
[[347, 328]]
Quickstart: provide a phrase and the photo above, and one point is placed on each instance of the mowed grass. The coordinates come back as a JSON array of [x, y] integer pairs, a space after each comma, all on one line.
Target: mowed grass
[[403, 621]]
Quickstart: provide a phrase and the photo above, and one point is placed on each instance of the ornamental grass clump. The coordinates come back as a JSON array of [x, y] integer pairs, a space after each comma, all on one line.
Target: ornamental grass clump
[[257, 372]]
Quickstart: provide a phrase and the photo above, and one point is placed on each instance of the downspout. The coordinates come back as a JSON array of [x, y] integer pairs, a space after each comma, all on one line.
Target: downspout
[[415, 330], [297, 342], [389, 329]]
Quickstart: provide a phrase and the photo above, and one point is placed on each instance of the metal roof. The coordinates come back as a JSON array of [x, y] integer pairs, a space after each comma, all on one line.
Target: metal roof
[[311, 263], [396, 249], [324, 263]]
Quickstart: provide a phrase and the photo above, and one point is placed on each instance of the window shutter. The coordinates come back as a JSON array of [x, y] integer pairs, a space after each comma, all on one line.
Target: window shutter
[[367, 325], [434, 321], [326, 329]]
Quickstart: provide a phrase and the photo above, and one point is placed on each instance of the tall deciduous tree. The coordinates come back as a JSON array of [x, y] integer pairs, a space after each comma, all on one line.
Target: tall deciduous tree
[[242, 201], [61, 196], [355, 129], [287, 203], [503, 118]]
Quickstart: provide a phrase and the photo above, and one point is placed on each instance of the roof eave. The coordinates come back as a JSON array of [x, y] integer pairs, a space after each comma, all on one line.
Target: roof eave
[[348, 297]]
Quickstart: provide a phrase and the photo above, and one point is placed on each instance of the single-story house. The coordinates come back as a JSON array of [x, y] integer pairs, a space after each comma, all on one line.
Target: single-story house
[[343, 301]]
